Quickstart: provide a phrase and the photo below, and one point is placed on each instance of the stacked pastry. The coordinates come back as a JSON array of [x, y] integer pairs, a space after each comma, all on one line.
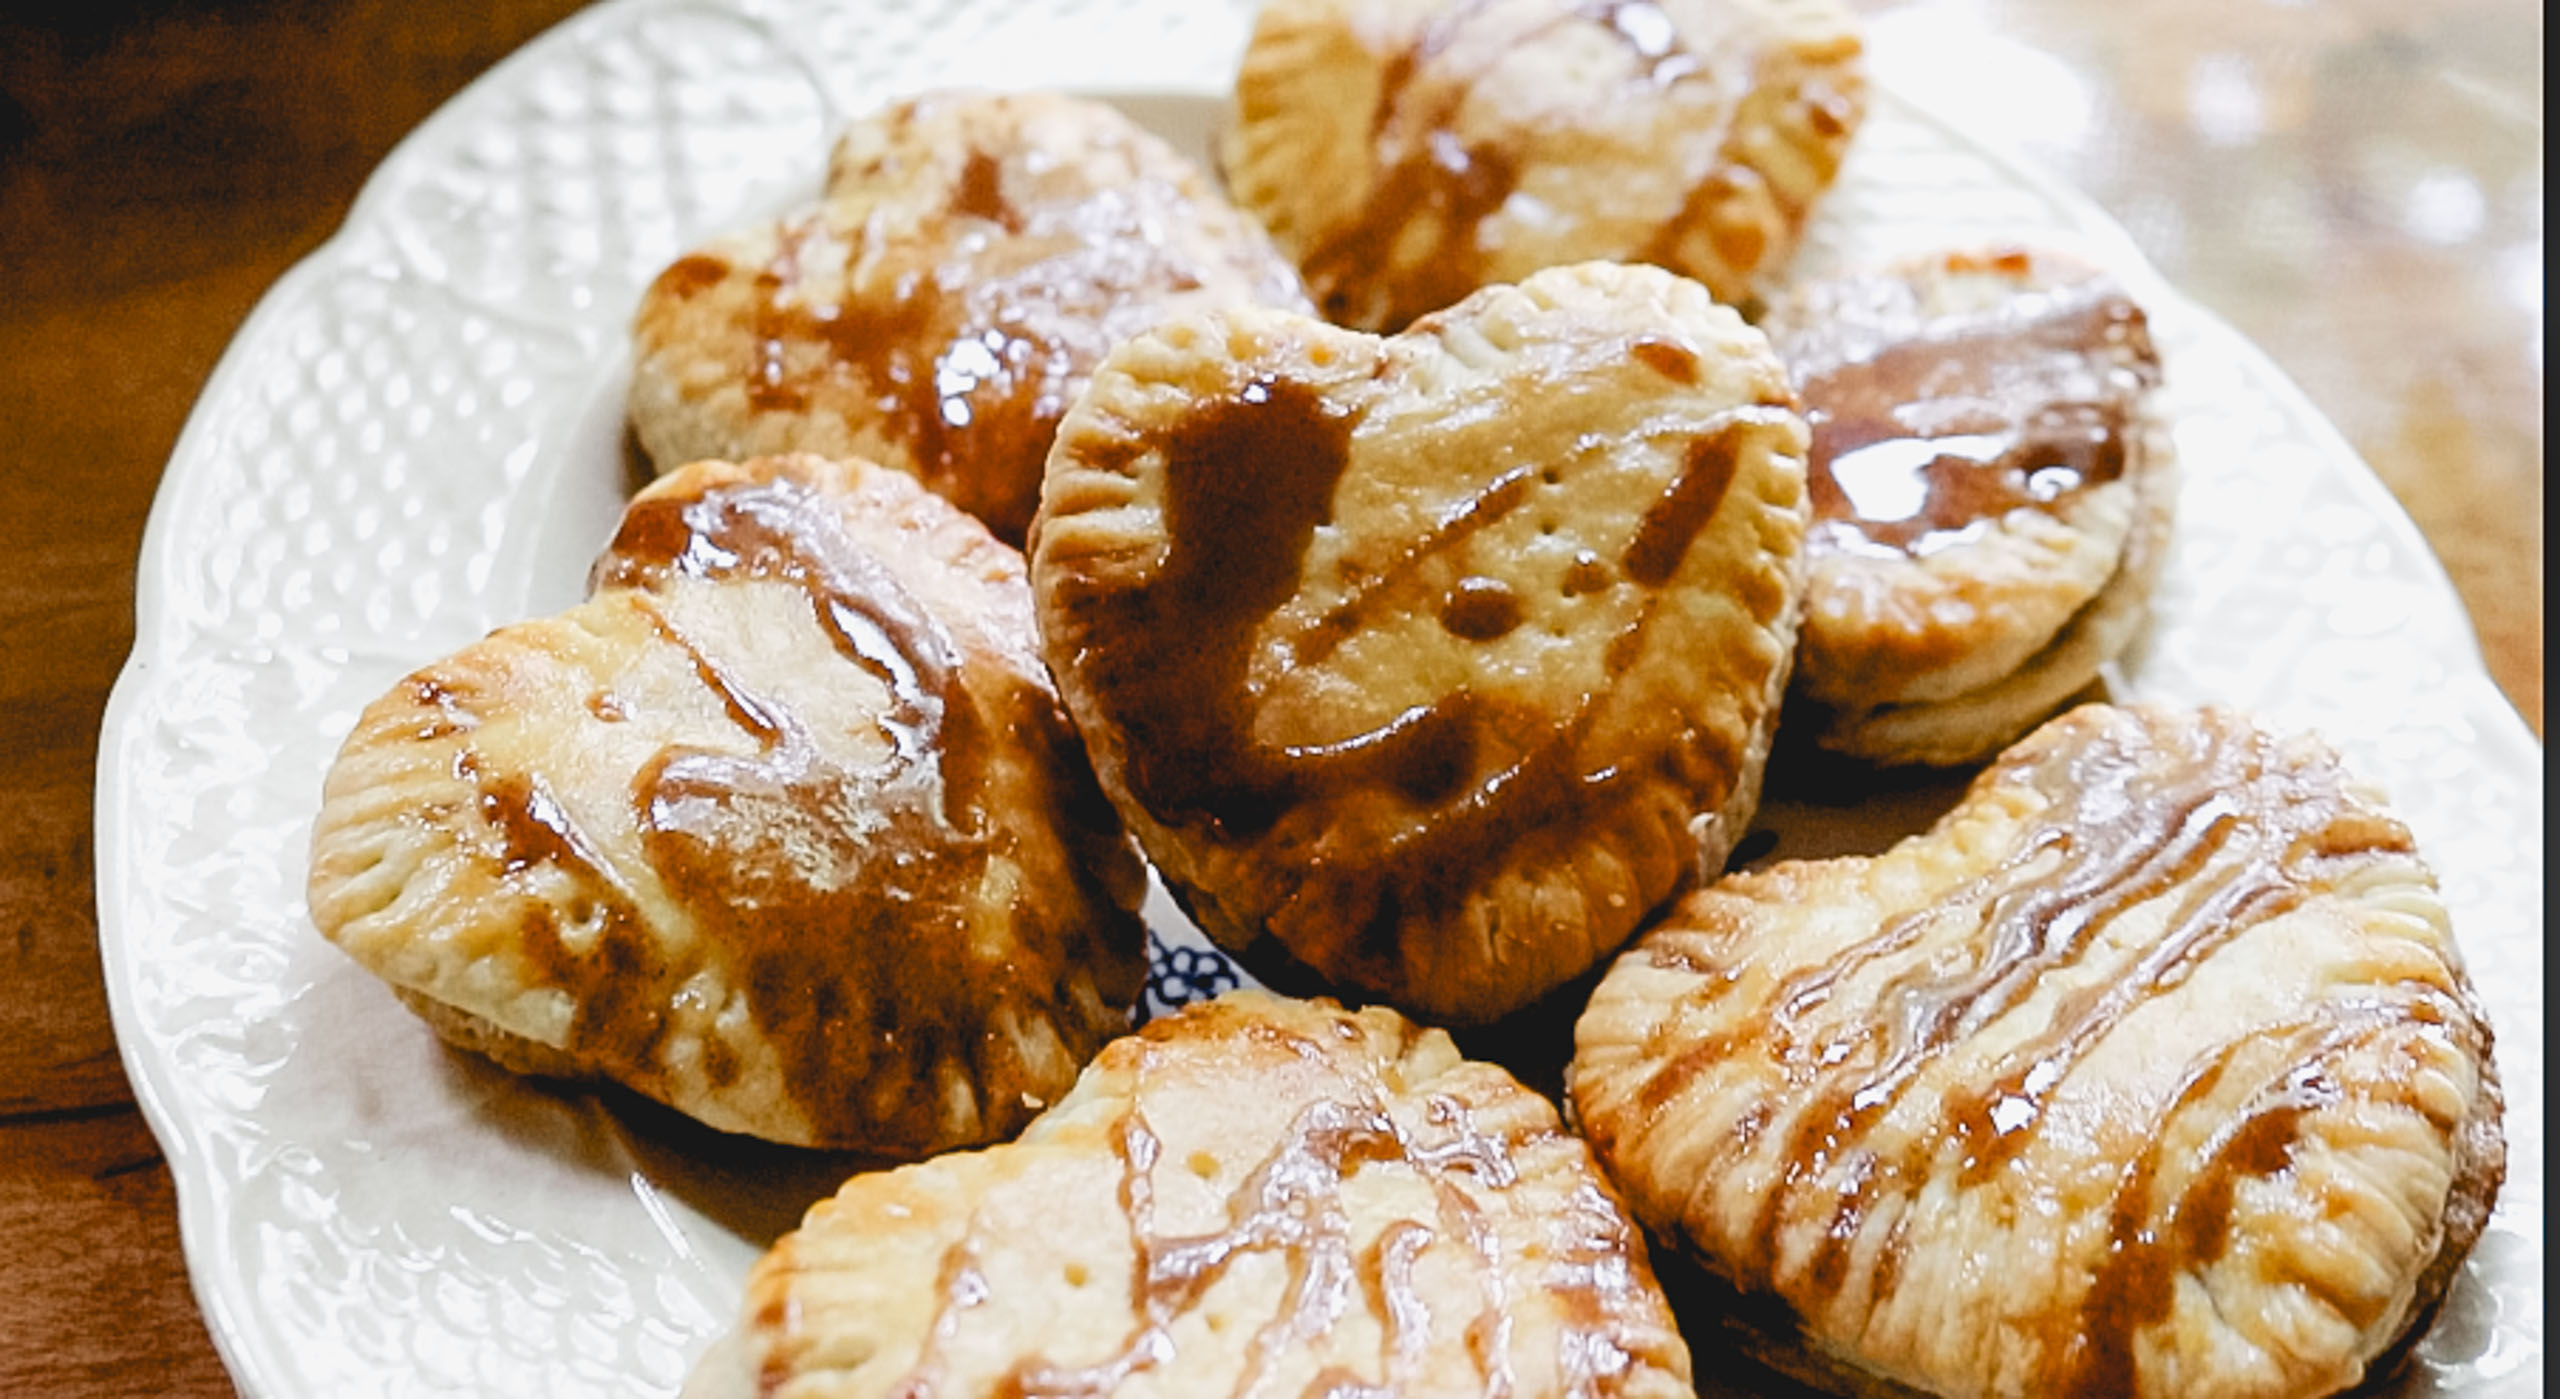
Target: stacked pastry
[[1431, 652], [1992, 490]]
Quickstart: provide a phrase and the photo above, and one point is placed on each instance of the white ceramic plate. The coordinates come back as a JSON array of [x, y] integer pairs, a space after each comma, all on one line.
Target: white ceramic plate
[[416, 438]]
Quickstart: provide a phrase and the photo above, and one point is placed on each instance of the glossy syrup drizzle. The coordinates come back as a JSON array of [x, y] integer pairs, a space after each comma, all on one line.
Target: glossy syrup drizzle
[[1429, 178], [611, 974], [1247, 481], [887, 996], [961, 1286], [1721, 201], [1953, 422], [2226, 834], [2149, 1246], [840, 898], [2152, 1241], [969, 333], [1292, 1204]]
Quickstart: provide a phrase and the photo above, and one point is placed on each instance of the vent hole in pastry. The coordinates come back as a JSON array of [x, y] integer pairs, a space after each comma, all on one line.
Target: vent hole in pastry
[[1585, 574], [1551, 475]]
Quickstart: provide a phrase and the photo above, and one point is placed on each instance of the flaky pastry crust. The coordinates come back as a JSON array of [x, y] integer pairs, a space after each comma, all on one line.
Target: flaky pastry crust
[[1431, 663], [973, 257], [1256, 1196], [1465, 143], [1993, 490], [2152, 1069], [782, 827]]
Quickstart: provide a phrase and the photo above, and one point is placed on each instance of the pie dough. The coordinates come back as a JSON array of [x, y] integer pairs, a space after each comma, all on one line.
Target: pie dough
[[1431, 664], [2152, 1069], [1470, 142], [973, 257], [1257, 1196], [783, 827], [1992, 492]]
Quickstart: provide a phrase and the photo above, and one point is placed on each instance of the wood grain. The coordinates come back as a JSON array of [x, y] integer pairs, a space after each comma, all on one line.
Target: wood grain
[[163, 161], [161, 164]]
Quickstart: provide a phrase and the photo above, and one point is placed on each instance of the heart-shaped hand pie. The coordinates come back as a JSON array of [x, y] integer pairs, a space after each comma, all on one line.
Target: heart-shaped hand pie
[[974, 256], [783, 827], [1992, 491], [1257, 1196], [1465, 143], [2150, 1070], [1431, 663]]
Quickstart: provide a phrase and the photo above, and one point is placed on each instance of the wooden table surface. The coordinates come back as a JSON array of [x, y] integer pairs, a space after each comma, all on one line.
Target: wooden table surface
[[2356, 184]]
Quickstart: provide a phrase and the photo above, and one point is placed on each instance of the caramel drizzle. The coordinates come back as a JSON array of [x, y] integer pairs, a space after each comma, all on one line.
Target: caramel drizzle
[[971, 335], [1427, 176], [610, 981], [1488, 506], [1671, 523], [1663, 534], [2151, 1243], [1594, 1267], [1954, 422], [1292, 1204], [1428, 869], [2245, 838], [732, 835], [1730, 176], [1433, 173], [447, 715], [1248, 480], [961, 1286], [781, 531], [532, 827], [1388, 1276]]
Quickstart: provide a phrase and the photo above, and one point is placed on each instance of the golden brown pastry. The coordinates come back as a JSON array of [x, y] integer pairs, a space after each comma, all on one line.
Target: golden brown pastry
[[1992, 490], [783, 827], [973, 257], [1431, 663], [1468, 142], [1257, 1196], [2150, 1070]]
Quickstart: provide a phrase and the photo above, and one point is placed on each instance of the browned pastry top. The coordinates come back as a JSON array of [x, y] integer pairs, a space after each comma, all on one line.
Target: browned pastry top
[[974, 257], [783, 826], [2151, 1069]]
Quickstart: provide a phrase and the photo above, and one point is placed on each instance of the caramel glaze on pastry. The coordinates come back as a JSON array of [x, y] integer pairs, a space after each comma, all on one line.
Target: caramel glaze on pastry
[[1992, 494], [1471, 142], [1254, 1197], [973, 257], [2151, 1070], [1431, 663], [783, 827]]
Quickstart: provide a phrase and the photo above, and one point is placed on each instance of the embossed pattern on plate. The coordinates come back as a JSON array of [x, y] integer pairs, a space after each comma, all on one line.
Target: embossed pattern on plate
[[416, 438]]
